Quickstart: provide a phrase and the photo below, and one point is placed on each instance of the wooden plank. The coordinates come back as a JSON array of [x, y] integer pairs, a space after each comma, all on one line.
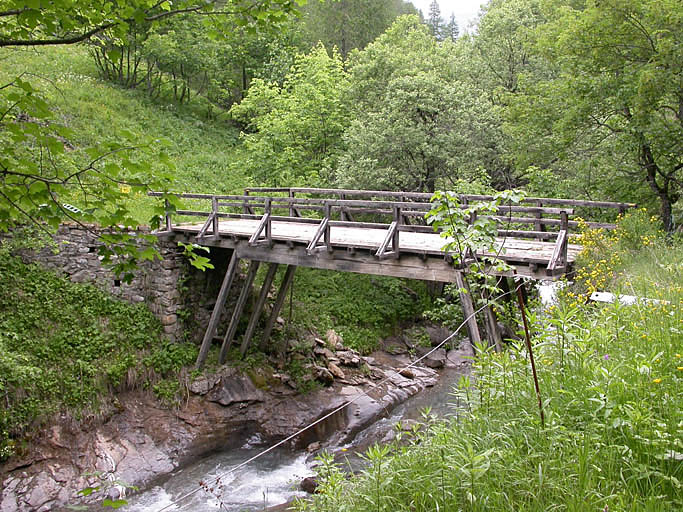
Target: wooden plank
[[467, 308], [279, 301], [217, 309], [258, 308], [237, 312]]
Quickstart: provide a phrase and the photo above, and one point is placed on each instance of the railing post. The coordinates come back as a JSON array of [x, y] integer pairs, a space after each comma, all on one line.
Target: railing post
[[269, 227], [328, 212], [246, 203], [214, 212], [397, 231], [539, 215], [292, 211], [167, 211], [342, 210], [564, 225]]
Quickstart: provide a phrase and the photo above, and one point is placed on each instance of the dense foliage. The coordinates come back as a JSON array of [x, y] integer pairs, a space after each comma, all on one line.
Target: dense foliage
[[611, 380]]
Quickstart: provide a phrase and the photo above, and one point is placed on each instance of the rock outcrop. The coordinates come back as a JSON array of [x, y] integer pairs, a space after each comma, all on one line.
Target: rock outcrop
[[144, 440]]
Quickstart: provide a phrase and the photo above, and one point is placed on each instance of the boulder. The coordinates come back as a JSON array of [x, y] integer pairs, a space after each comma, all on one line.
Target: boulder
[[349, 358], [333, 339], [309, 484], [237, 389], [335, 370], [202, 385], [437, 358], [323, 375], [408, 373]]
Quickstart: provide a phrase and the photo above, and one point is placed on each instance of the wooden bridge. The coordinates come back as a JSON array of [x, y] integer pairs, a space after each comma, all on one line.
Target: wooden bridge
[[369, 232]]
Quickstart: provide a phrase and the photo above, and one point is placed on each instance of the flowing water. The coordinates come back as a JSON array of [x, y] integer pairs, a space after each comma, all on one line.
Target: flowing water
[[274, 478]]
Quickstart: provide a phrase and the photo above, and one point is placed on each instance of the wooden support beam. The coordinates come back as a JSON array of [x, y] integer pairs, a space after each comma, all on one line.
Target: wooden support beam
[[468, 308], [279, 301], [559, 257], [237, 313], [217, 309], [258, 308], [495, 339], [205, 227], [322, 229]]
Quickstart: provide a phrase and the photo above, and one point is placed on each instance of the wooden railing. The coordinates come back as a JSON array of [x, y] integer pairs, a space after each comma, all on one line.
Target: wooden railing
[[547, 218]]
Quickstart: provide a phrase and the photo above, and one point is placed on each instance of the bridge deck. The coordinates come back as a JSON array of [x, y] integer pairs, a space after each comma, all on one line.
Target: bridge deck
[[515, 250]]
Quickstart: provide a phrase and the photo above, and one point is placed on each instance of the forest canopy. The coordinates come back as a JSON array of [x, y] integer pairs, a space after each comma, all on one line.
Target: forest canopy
[[563, 98]]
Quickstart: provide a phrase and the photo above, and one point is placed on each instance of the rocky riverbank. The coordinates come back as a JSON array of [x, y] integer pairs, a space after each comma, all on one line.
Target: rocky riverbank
[[143, 440]]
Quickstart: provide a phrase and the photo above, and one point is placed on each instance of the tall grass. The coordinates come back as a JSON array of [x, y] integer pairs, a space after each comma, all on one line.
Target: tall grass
[[611, 380], [201, 149]]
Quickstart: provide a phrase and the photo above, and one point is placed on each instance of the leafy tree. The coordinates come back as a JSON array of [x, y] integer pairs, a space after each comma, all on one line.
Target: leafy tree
[[36, 23], [350, 24], [493, 60], [293, 130], [616, 95], [417, 124], [44, 177], [502, 48]]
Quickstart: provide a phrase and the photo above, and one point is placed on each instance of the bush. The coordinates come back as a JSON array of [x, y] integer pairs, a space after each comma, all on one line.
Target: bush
[[64, 347]]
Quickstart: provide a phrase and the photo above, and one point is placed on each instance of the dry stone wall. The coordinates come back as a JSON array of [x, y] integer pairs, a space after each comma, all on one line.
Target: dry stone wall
[[179, 295]]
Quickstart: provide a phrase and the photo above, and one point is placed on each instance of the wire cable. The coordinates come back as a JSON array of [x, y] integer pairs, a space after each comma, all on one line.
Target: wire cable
[[218, 478]]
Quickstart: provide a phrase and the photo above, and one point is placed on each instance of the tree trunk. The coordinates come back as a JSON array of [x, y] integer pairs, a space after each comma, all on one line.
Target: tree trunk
[[663, 191]]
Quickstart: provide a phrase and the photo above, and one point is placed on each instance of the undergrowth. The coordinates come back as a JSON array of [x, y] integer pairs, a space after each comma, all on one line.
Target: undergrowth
[[66, 347], [361, 308], [611, 380]]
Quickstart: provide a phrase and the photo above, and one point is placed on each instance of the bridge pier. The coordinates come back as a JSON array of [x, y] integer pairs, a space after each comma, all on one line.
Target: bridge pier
[[239, 307], [218, 307]]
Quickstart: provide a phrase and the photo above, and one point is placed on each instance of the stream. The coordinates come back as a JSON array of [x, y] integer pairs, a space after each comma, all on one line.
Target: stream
[[274, 478]]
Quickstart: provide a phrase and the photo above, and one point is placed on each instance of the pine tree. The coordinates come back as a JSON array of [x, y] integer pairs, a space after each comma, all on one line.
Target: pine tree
[[435, 21], [452, 29]]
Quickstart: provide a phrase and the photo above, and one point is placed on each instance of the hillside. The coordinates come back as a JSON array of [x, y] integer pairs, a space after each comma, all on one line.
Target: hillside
[[201, 149]]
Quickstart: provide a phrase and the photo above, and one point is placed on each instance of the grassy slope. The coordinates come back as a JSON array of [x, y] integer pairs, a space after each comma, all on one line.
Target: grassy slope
[[611, 378], [202, 150]]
